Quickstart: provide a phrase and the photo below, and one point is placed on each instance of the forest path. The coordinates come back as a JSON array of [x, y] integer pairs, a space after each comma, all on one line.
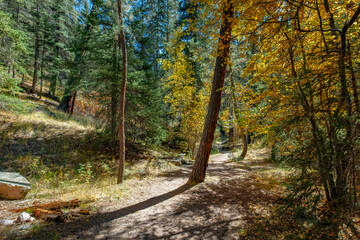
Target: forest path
[[166, 208]]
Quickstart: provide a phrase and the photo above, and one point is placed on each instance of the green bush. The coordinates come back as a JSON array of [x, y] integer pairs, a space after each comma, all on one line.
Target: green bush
[[8, 82], [15, 105]]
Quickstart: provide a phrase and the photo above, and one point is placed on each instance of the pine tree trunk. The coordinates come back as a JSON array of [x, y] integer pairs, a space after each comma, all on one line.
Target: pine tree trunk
[[36, 57], [202, 158], [122, 42], [53, 83], [42, 70], [73, 103], [54, 79], [65, 102]]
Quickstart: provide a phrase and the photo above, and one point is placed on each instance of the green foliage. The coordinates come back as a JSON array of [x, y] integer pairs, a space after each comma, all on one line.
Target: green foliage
[[15, 105], [13, 40], [214, 150], [13, 48], [8, 82], [84, 172]]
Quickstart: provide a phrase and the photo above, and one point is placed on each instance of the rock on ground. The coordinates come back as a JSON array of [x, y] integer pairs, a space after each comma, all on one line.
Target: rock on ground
[[13, 186]]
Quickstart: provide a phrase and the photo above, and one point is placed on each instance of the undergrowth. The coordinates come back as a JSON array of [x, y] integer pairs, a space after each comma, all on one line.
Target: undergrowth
[[290, 211], [89, 180], [64, 157], [15, 105]]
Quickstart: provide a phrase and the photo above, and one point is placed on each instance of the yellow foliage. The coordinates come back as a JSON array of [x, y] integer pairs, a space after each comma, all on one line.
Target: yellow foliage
[[187, 103]]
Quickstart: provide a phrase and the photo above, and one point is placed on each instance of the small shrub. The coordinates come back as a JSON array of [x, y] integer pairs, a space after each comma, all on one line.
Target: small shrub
[[15, 105], [84, 172], [8, 82]]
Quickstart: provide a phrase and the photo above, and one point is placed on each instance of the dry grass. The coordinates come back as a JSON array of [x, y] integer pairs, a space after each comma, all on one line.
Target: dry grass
[[94, 187], [63, 157]]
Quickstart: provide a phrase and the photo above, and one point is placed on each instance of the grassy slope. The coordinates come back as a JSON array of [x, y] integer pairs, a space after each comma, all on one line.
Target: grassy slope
[[62, 158]]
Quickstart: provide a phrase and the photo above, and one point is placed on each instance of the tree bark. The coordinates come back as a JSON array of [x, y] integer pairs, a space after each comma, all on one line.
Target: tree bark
[[245, 146], [73, 103], [36, 57], [202, 158], [122, 42], [42, 70], [65, 102], [52, 88]]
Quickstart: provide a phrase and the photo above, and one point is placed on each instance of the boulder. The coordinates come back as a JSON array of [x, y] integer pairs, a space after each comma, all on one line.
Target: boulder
[[13, 186]]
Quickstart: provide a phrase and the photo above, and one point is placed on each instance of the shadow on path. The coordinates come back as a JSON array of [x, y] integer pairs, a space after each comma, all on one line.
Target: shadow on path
[[109, 216], [96, 221], [208, 211], [213, 211]]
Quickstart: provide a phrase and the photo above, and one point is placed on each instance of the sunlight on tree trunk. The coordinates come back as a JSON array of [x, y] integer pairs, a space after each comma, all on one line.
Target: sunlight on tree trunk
[[199, 170]]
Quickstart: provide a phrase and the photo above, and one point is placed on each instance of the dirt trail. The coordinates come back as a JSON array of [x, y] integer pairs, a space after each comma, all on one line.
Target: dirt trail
[[167, 208]]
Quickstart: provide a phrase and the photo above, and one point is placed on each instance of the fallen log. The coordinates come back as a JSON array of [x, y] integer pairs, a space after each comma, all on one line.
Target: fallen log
[[54, 211], [48, 215], [57, 205]]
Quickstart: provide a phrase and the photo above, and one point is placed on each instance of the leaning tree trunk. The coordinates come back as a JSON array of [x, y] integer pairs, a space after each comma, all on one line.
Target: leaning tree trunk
[[202, 158], [122, 42]]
